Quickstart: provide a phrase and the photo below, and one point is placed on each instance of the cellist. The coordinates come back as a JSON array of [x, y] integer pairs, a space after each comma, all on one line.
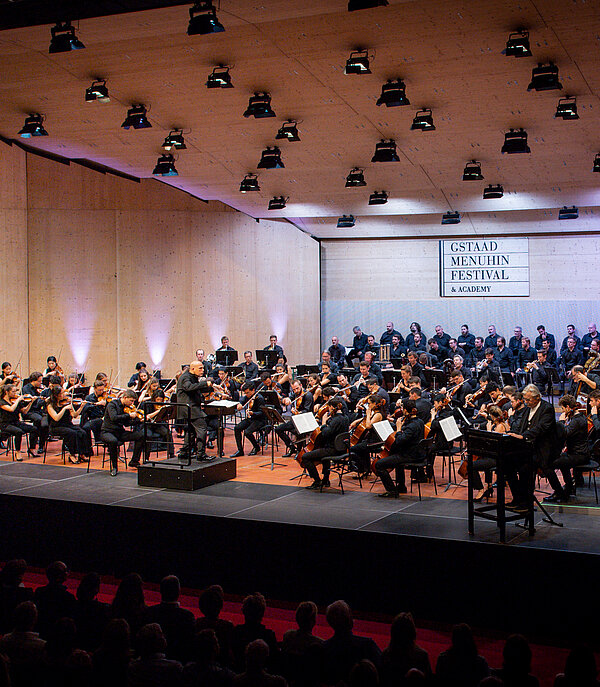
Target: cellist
[[362, 434]]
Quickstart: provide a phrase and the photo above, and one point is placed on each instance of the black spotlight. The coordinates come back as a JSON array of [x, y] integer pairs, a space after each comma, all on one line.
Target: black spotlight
[[288, 131], [596, 167], [249, 183], [567, 108], [423, 121], [378, 198], [355, 178], [568, 212], [97, 92], [270, 159], [64, 38], [493, 191], [136, 118], [515, 141], [385, 151], [346, 221], [277, 203], [358, 63], [219, 78], [393, 94], [174, 140], [451, 218], [544, 77], [365, 4], [517, 45], [472, 171], [34, 126], [165, 167], [203, 19], [259, 106]]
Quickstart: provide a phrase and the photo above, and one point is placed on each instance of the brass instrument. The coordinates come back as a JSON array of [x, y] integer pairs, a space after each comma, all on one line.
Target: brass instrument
[[530, 366]]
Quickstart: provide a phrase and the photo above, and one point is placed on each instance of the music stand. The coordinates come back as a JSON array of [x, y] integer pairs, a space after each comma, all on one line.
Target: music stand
[[391, 377], [266, 358], [507, 379], [553, 378], [271, 398], [304, 424], [434, 378], [274, 417], [398, 362], [226, 358]]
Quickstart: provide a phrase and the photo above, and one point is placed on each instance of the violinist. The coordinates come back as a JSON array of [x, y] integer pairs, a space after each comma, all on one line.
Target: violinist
[[516, 410], [376, 390], [362, 434], [228, 386], [459, 388], [93, 412], [405, 449], [255, 418], [327, 376], [141, 381], [347, 391], [191, 387], [6, 371], [312, 385], [37, 415], [326, 359], [594, 417], [572, 425], [423, 407], [133, 380], [53, 368], [158, 428], [114, 433], [333, 423], [150, 387], [13, 407], [300, 401], [440, 411], [61, 413], [73, 382]]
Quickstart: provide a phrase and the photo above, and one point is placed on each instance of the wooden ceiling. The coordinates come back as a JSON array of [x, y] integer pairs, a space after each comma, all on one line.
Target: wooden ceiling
[[448, 52]]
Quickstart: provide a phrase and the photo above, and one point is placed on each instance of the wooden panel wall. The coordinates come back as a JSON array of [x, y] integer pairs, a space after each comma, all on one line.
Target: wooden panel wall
[[121, 272]]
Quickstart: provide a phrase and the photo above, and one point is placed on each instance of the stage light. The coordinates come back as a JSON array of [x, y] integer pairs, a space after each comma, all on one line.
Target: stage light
[[493, 191], [423, 121], [136, 118], [289, 131], [472, 171], [219, 78], [365, 4], [97, 92], [451, 218], [515, 141], [596, 167], [544, 77], [165, 167], [203, 19], [259, 106], [567, 108], [270, 159], [277, 203], [174, 140], [385, 151], [345, 222], [393, 94], [355, 178], [64, 38], [249, 183], [34, 126], [378, 198], [358, 63], [517, 45], [568, 212]]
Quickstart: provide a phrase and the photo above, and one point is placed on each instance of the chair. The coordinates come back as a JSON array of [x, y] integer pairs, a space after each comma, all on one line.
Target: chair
[[591, 467], [426, 448], [340, 461], [63, 448]]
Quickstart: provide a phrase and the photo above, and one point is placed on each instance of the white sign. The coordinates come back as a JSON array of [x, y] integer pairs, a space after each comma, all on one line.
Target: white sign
[[484, 267]]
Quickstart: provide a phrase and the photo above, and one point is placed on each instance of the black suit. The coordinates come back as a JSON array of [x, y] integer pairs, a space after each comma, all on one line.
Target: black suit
[[113, 433], [190, 389], [405, 449], [178, 626], [251, 423]]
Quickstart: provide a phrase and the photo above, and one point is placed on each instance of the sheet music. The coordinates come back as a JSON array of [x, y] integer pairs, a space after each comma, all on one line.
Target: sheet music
[[383, 429], [222, 404], [450, 428], [304, 423]]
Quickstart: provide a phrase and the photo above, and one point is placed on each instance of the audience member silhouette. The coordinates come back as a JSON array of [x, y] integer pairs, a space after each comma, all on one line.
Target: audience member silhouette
[[580, 669], [24, 647], [210, 603], [301, 651], [111, 660], [153, 668], [363, 674], [461, 665], [205, 670], [403, 653], [12, 591], [129, 602], [253, 608], [516, 663], [91, 615], [54, 601], [65, 664], [256, 658]]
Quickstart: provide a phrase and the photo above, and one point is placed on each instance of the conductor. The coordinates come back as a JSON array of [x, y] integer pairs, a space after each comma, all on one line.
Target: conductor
[[191, 386]]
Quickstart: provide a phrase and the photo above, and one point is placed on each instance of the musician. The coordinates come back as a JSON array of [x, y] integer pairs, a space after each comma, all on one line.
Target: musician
[[372, 347], [516, 342], [576, 452], [255, 418], [37, 415], [348, 391], [492, 396], [200, 358], [538, 426], [133, 380], [454, 349], [389, 334], [149, 388], [494, 423], [459, 365], [327, 375], [466, 340], [423, 406], [360, 380], [542, 336], [374, 368], [12, 409], [52, 368], [333, 424], [114, 432], [327, 360], [405, 449], [489, 368], [416, 383], [274, 346], [376, 390], [583, 381], [330, 392], [228, 385], [594, 401], [6, 371], [191, 386], [417, 344], [403, 386], [92, 415], [527, 354], [443, 340], [141, 382], [477, 354], [503, 356], [440, 411], [397, 348], [249, 366], [570, 335], [539, 375], [362, 434], [313, 385], [551, 357], [157, 427], [283, 385], [300, 401], [337, 352], [414, 364], [61, 413], [437, 353], [225, 345], [592, 335], [517, 409], [571, 355], [491, 340], [358, 345], [459, 388], [594, 348]]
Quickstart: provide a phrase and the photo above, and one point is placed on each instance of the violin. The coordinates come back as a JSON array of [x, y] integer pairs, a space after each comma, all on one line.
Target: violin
[[134, 412]]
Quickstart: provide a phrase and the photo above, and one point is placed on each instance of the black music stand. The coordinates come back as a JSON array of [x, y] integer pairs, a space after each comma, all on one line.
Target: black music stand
[[553, 378], [266, 358], [274, 417], [221, 412], [391, 377], [305, 370], [398, 362], [435, 379], [226, 358]]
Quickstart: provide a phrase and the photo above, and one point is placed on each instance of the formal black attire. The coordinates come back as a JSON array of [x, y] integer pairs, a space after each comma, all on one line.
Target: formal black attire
[[466, 343], [576, 450], [476, 356], [158, 432], [250, 370], [11, 424], [549, 337], [443, 341], [439, 440], [405, 449], [570, 358], [526, 356], [362, 388], [551, 358], [457, 351], [358, 348], [423, 409], [438, 356], [251, 423], [410, 338], [515, 344], [491, 341], [338, 354], [113, 432], [504, 358], [397, 352], [190, 392], [372, 348], [336, 424], [386, 337], [92, 416], [53, 601], [539, 377], [564, 346], [37, 415], [332, 366], [178, 626], [277, 348], [493, 372], [418, 348], [375, 371], [587, 339], [77, 440], [284, 429]]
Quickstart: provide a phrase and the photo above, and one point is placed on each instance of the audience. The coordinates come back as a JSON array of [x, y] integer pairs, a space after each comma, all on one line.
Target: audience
[[64, 663], [205, 670], [461, 665], [111, 659], [580, 669], [256, 657], [12, 591], [210, 603], [23, 647], [54, 601], [301, 651], [403, 653], [91, 615], [153, 668], [253, 608], [129, 602], [516, 664]]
